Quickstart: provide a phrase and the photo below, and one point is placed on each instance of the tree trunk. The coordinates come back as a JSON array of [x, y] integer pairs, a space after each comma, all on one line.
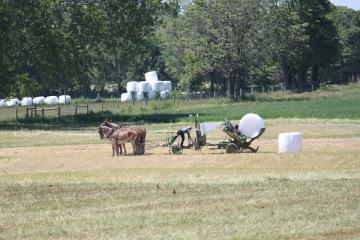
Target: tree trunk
[[230, 87], [288, 77], [302, 78], [315, 80]]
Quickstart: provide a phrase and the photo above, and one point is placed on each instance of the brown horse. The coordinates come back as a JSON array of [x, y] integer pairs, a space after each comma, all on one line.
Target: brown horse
[[139, 142], [123, 135], [114, 126]]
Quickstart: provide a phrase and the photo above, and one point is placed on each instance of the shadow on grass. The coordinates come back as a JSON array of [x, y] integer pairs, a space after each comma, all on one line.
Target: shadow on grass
[[90, 120]]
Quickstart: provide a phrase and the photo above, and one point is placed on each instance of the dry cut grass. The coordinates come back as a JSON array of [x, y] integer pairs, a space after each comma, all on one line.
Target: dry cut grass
[[81, 192]]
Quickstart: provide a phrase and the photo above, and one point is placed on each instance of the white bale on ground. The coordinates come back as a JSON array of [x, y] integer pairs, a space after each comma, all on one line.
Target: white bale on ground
[[151, 95], [157, 86], [167, 86], [51, 100], [151, 76], [251, 124], [132, 87], [126, 97], [144, 87], [140, 96], [39, 100], [64, 99], [164, 94], [2, 103], [290, 142], [12, 102], [26, 101]]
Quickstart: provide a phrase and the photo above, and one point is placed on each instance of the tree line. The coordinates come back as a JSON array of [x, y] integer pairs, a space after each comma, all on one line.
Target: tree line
[[81, 47]]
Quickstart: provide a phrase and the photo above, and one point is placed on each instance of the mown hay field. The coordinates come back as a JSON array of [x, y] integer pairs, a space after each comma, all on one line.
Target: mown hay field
[[66, 185]]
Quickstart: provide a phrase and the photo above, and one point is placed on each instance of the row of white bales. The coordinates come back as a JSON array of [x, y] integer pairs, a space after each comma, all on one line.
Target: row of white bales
[[28, 101], [150, 88]]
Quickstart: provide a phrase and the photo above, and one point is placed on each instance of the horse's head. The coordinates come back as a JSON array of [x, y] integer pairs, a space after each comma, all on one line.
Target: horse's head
[[101, 134]]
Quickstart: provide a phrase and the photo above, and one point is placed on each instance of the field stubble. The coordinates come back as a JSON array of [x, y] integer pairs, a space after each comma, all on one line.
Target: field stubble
[[78, 191]]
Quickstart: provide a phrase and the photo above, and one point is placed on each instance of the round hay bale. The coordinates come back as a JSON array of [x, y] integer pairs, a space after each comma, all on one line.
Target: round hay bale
[[26, 101], [151, 76], [39, 100], [144, 87], [51, 100], [251, 124], [64, 99], [290, 142], [132, 87]]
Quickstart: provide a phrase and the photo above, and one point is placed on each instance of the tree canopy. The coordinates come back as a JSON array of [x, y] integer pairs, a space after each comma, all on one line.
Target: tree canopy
[[57, 46]]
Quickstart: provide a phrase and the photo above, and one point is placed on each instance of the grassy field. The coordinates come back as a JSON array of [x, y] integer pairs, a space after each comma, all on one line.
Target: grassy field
[[65, 185], [338, 102]]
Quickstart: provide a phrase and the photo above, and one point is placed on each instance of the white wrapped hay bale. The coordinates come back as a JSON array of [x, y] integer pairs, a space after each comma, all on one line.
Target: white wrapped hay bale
[[51, 100], [126, 97], [151, 76], [2, 103], [26, 101], [140, 96], [144, 87], [64, 99], [251, 124], [13, 102], [167, 86], [132, 87], [290, 142], [151, 95], [164, 94], [157, 86], [39, 100]]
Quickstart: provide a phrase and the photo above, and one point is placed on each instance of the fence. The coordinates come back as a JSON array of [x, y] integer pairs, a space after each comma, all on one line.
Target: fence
[[19, 112]]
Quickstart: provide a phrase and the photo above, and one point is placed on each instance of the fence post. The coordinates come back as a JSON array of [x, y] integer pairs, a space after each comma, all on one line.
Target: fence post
[[102, 105], [16, 113], [118, 103], [59, 111], [201, 95], [214, 94], [272, 88], [27, 112], [87, 108], [241, 93], [76, 109], [43, 112], [173, 97], [263, 89]]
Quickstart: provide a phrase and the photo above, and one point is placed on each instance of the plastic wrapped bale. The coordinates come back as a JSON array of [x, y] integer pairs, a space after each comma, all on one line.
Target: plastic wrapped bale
[[151, 95], [26, 101], [2, 103], [157, 86], [51, 100], [151, 76], [167, 86], [39, 100], [64, 99], [126, 97], [164, 94], [290, 142], [144, 87], [13, 102], [251, 125], [140, 96], [132, 87]]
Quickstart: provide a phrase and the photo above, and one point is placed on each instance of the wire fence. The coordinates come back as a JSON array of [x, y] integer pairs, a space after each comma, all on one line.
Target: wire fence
[[94, 106]]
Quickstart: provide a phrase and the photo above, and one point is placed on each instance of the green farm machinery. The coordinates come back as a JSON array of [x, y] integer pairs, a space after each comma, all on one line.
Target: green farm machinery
[[236, 141]]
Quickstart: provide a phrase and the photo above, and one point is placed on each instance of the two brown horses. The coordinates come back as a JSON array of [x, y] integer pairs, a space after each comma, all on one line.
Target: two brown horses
[[119, 135]]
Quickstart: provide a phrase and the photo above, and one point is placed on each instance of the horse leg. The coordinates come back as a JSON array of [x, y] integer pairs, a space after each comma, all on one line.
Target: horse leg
[[134, 147], [114, 146], [120, 148], [124, 148]]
